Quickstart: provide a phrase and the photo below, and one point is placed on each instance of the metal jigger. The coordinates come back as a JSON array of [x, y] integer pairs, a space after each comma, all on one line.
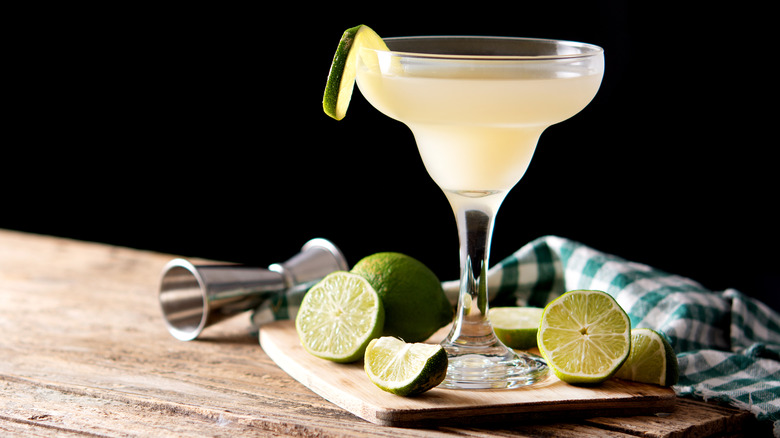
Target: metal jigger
[[195, 297]]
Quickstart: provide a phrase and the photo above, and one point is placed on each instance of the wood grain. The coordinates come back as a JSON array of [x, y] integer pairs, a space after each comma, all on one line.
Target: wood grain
[[84, 352]]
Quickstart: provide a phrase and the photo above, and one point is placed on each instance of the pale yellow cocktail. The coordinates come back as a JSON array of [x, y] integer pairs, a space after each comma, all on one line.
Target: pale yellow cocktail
[[476, 133]]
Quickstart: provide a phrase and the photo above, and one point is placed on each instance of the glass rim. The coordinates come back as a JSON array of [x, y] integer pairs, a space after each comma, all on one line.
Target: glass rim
[[586, 50]]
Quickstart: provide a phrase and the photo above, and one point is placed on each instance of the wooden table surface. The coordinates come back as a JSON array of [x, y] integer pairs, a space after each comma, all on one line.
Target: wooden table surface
[[84, 351]]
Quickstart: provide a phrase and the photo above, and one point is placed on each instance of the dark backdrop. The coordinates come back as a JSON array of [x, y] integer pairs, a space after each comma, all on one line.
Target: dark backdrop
[[199, 132]]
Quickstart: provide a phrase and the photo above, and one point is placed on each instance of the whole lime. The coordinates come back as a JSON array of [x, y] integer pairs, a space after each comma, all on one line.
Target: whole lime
[[414, 301]]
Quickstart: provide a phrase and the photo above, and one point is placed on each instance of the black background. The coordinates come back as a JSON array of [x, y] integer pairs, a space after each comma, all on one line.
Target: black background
[[199, 131]]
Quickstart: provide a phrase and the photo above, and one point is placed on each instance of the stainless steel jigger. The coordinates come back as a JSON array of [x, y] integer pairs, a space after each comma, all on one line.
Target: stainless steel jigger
[[195, 297]]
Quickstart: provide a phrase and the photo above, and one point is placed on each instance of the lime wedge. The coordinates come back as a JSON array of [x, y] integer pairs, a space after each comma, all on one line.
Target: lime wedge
[[652, 359], [516, 327], [339, 316], [405, 368], [585, 336], [341, 78]]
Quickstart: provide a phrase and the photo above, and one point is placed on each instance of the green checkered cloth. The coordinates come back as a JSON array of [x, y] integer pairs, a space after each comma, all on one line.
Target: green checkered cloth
[[727, 344]]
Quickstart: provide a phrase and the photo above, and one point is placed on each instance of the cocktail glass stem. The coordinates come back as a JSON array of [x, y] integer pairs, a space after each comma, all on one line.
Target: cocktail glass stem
[[477, 359]]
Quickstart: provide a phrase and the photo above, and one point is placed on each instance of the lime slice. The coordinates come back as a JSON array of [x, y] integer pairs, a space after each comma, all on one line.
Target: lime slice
[[516, 327], [585, 336], [652, 359], [405, 368], [339, 316], [341, 78]]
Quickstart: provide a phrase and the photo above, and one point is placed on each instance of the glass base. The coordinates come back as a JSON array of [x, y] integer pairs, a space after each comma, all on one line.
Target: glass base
[[491, 371]]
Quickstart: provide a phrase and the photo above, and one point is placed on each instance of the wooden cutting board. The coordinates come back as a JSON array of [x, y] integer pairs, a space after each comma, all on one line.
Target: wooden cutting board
[[347, 386]]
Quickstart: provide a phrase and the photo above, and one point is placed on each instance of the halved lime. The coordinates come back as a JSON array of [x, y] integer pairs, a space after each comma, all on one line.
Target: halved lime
[[585, 336], [341, 78], [339, 316], [652, 359], [405, 368], [516, 327]]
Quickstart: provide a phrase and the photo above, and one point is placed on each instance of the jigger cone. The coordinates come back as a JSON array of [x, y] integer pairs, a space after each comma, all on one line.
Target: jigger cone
[[193, 297]]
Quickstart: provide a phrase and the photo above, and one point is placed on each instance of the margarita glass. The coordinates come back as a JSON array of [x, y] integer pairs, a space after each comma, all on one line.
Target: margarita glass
[[476, 107]]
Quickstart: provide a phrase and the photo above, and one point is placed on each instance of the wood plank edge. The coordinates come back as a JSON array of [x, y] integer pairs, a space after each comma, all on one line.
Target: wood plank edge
[[538, 412]]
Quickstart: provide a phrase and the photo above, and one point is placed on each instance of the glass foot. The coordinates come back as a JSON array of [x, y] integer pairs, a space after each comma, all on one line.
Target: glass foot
[[486, 371]]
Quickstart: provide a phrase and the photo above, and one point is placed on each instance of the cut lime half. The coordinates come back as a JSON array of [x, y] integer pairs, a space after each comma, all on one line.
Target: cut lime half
[[516, 327], [652, 359], [585, 336], [339, 316], [405, 368], [343, 69]]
